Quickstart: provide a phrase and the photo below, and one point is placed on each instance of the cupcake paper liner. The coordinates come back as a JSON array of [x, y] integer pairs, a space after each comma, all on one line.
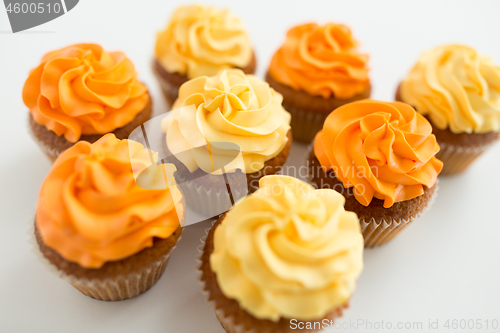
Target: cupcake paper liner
[[305, 124], [208, 202], [117, 289], [457, 159], [219, 313], [226, 321], [378, 232], [123, 287]]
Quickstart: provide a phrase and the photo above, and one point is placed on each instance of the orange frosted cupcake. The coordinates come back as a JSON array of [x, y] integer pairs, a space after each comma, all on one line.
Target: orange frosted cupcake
[[458, 91], [284, 259], [105, 234], [80, 93], [200, 41], [381, 157], [318, 69]]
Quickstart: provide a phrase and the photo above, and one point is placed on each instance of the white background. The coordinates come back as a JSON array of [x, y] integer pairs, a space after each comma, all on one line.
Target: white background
[[444, 266]]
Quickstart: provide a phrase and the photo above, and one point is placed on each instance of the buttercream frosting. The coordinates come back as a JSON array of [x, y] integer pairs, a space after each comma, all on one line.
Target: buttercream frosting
[[230, 107], [90, 209], [288, 251], [457, 88], [202, 40], [382, 150], [321, 60], [82, 89]]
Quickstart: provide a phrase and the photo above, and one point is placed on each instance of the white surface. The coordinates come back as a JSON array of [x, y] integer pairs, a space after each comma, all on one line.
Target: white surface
[[444, 266]]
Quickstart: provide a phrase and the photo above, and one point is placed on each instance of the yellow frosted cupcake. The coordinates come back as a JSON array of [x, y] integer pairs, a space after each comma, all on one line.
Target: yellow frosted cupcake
[[200, 41], [284, 258], [458, 91], [226, 129]]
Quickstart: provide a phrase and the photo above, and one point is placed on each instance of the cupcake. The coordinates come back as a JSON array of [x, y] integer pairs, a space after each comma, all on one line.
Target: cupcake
[[232, 109], [458, 91], [102, 232], [200, 41], [80, 93], [284, 258], [381, 157], [318, 69]]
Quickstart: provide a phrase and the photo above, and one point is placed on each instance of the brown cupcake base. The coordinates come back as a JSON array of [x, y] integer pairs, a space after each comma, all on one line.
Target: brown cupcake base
[[458, 150], [115, 280], [379, 225], [309, 112], [230, 315], [209, 194], [53, 145], [171, 82]]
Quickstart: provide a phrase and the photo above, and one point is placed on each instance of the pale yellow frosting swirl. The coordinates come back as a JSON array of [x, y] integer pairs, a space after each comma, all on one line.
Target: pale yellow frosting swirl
[[457, 88], [288, 251], [230, 107], [203, 40]]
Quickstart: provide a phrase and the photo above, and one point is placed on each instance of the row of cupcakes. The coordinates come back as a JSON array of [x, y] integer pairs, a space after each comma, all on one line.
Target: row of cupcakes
[[319, 68], [316, 70]]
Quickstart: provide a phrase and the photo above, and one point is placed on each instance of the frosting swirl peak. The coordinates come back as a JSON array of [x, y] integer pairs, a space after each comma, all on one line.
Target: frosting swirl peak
[[457, 88], [82, 89], [383, 150], [90, 209], [288, 251], [203, 40], [321, 60]]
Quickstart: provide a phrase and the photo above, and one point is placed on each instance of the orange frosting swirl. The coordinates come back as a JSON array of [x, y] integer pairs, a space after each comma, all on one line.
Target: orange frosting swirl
[[90, 209], [82, 89], [383, 150], [321, 60]]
